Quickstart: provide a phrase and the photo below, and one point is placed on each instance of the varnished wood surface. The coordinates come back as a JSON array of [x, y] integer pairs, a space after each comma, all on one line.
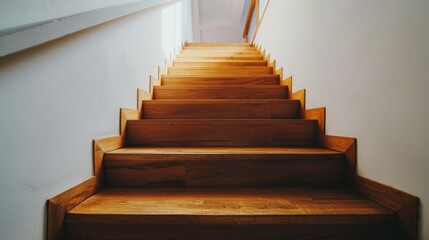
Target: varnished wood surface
[[220, 79], [317, 114], [221, 48], [220, 70], [221, 92], [224, 167], [221, 109], [217, 57], [189, 62], [60, 204], [300, 95], [222, 132], [206, 84], [403, 204], [249, 15], [216, 44], [371, 231], [289, 151], [227, 206], [217, 52]]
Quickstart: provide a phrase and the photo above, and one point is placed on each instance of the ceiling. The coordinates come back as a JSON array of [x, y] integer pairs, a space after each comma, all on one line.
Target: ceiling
[[219, 20]]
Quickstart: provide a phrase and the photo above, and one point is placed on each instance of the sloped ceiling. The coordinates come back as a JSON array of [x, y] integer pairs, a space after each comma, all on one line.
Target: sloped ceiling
[[219, 20]]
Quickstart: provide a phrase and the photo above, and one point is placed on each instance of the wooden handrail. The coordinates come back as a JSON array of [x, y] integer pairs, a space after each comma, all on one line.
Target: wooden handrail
[[249, 18]]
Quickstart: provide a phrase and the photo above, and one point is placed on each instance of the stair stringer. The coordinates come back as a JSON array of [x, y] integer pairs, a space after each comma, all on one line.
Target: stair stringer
[[404, 205], [58, 206]]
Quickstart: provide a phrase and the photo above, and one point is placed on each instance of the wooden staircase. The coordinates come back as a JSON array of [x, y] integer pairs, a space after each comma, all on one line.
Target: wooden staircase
[[223, 151]]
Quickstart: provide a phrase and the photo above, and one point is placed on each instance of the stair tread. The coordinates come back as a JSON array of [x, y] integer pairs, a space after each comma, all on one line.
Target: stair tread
[[224, 150], [217, 60], [228, 205], [235, 87], [224, 76], [221, 67]]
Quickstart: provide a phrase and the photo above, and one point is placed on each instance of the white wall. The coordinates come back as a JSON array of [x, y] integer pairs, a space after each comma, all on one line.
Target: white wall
[[56, 98], [368, 63], [16, 13]]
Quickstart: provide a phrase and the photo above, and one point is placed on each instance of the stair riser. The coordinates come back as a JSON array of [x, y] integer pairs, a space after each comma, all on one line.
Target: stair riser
[[221, 93], [217, 53], [189, 63], [225, 57], [118, 230], [196, 71], [186, 80], [216, 44], [227, 48], [200, 170], [218, 71], [242, 109], [222, 133]]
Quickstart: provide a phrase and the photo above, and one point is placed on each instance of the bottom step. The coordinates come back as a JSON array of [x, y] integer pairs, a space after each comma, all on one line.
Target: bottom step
[[229, 213]]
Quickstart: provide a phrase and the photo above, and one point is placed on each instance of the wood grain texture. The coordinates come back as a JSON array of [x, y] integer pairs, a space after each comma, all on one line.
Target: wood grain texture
[[142, 95], [279, 72], [221, 109], [317, 114], [342, 144], [403, 204], [220, 132], [218, 52], [222, 48], [250, 13], [217, 44], [373, 231], [219, 57], [220, 79], [287, 82], [127, 114], [221, 92], [101, 146], [220, 70], [224, 167], [228, 206], [300, 95], [218, 63], [153, 82], [60, 204]]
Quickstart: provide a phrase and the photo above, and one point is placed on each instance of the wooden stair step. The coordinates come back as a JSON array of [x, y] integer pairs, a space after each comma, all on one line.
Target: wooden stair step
[[219, 52], [224, 167], [216, 44], [221, 109], [228, 213], [220, 70], [214, 62], [221, 79], [221, 57], [221, 92], [236, 48], [221, 132]]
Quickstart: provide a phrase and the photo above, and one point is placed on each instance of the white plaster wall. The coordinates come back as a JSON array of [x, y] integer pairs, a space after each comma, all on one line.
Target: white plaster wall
[[368, 63], [223, 35], [56, 98], [14, 13]]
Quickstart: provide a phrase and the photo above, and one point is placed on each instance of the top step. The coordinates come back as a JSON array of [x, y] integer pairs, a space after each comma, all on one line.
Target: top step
[[218, 45], [242, 48]]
